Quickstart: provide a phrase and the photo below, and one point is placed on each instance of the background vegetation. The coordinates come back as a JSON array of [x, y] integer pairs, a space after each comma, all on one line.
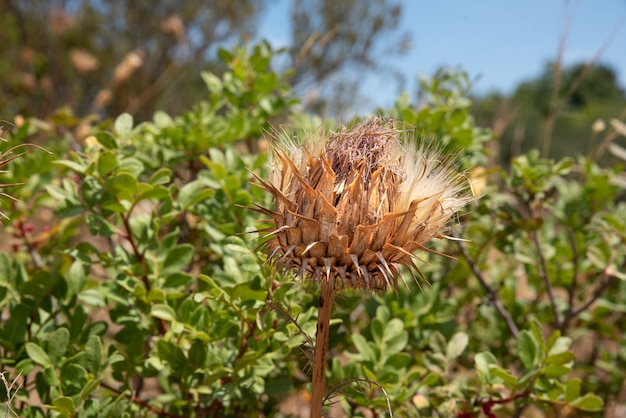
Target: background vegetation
[[130, 283]]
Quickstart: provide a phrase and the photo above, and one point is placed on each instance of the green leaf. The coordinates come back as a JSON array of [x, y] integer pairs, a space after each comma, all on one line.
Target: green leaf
[[197, 354], [589, 402], [64, 405], [93, 354], [154, 193], [49, 376], [194, 192], [162, 119], [528, 348], [73, 377], [555, 370], [76, 276], [161, 176], [6, 269], [560, 346], [163, 311], [93, 297], [483, 362], [107, 162], [125, 182], [156, 295], [536, 328], [177, 259], [364, 348], [456, 345], [572, 389], [396, 343], [213, 82], [131, 165], [437, 342], [219, 170], [378, 329], [393, 329], [225, 55], [506, 376], [597, 257], [79, 168], [112, 206], [370, 374], [77, 322], [245, 292], [561, 358], [431, 379], [216, 290], [57, 345], [172, 354], [38, 355], [435, 362], [398, 361], [179, 279], [13, 330], [90, 388], [123, 124], [106, 139]]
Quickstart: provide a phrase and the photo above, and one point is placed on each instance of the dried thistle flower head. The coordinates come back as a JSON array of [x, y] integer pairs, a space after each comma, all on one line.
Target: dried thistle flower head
[[352, 207]]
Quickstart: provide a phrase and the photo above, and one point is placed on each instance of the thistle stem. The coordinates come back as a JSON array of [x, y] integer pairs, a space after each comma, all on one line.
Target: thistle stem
[[326, 301]]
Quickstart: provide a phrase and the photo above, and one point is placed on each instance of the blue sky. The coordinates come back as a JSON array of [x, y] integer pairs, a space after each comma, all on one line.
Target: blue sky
[[502, 43]]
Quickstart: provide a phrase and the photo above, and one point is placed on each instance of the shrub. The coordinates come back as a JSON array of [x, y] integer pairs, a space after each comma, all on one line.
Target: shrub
[[133, 286]]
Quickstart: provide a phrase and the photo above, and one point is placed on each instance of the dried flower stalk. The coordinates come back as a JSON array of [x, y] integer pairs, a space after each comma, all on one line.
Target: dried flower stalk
[[6, 158], [351, 209]]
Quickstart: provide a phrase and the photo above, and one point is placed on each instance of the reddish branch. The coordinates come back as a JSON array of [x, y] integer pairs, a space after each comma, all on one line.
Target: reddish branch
[[141, 402], [486, 405], [142, 260]]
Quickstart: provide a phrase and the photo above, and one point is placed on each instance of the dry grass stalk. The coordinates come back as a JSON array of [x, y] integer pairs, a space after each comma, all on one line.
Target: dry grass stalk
[[6, 158], [351, 208], [11, 393]]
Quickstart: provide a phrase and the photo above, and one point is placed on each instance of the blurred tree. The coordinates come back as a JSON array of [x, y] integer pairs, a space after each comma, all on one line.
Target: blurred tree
[[565, 101], [335, 44], [108, 56], [577, 86]]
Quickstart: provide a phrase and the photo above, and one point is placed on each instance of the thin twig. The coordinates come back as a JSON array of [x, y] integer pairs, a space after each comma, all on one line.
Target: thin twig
[[573, 287], [607, 280], [294, 321], [141, 402], [357, 380], [9, 388], [576, 83], [545, 277], [554, 95], [555, 102], [491, 294]]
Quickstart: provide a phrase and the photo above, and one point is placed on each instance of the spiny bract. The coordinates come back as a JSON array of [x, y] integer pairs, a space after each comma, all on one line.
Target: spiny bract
[[352, 206]]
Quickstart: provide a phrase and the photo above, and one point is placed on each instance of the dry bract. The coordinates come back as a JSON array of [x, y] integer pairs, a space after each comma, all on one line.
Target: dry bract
[[353, 206]]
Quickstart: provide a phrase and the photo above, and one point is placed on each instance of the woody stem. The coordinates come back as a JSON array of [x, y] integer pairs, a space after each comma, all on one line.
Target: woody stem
[[327, 298]]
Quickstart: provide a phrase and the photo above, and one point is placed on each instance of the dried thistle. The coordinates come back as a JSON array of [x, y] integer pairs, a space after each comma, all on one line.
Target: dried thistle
[[351, 208]]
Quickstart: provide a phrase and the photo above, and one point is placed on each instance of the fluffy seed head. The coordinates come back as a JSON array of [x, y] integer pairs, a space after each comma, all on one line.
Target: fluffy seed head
[[353, 206]]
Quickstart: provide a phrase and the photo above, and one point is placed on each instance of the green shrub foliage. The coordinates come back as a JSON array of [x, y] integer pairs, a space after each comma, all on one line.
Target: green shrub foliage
[[131, 284]]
